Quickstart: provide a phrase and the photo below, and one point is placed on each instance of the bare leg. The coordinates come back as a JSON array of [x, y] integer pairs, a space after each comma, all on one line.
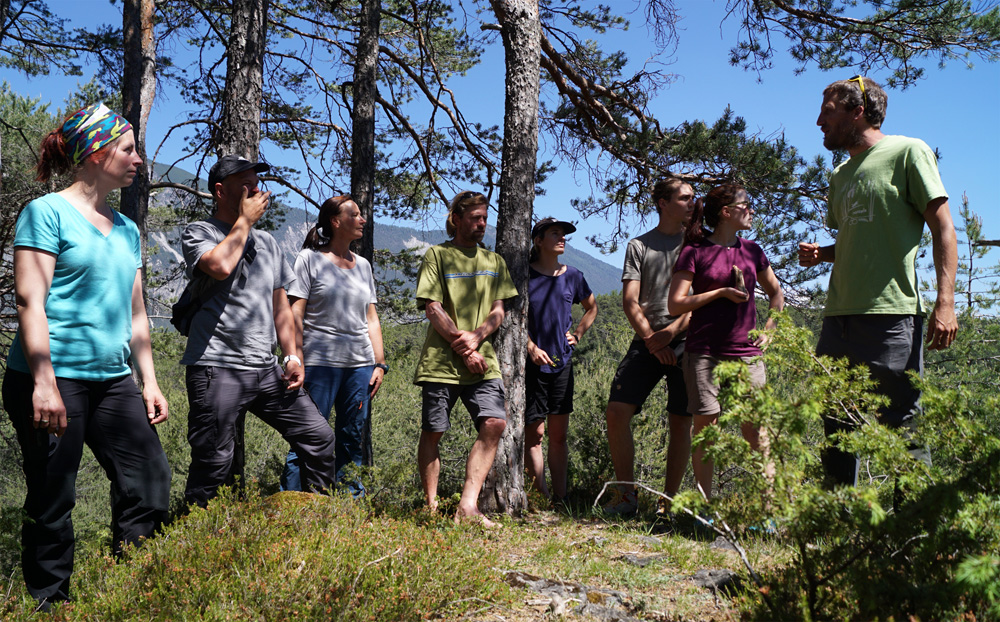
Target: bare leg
[[534, 460], [678, 452], [558, 454], [429, 465], [619, 418], [481, 456], [703, 469], [757, 437]]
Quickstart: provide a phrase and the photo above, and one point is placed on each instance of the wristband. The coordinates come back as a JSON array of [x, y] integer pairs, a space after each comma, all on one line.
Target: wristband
[[291, 357], [383, 366]]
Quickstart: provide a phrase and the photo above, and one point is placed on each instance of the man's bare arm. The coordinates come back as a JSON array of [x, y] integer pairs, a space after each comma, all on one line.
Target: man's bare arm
[[942, 325]]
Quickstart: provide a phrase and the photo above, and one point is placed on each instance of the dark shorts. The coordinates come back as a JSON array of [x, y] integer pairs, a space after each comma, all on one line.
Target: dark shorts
[[547, 394], [484, 399], [638, 374], [890, 345]]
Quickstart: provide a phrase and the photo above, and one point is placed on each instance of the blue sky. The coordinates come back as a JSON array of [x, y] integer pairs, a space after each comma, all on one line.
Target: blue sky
[[955, 110]]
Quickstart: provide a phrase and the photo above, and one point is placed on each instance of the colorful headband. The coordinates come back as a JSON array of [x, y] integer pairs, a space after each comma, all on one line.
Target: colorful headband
[[90, 128]]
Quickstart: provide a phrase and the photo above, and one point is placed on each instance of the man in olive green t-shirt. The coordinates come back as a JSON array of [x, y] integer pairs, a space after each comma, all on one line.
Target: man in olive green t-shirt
[[462, 287], [879, 200]]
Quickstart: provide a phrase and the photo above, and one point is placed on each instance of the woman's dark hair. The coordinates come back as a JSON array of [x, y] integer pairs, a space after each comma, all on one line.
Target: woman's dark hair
[[707, 210], [54, 160], [321, 233]]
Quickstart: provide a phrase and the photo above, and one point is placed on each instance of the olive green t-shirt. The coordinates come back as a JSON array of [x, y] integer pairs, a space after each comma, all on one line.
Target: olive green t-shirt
[[466, 281], [876, 203]]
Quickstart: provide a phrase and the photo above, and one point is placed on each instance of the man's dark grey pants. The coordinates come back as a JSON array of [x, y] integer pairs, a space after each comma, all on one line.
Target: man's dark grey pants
[[218, 396]]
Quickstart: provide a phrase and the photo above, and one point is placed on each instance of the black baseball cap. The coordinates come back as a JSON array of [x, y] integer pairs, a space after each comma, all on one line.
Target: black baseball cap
[[230, 165], [539, 229]]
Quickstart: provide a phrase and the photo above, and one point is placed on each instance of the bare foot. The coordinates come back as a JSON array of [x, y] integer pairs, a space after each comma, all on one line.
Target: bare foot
[[475, 517], [432, 506]]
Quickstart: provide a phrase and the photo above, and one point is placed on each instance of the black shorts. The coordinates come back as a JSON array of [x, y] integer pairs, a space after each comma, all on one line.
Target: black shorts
[[547, 394], [638, 374]]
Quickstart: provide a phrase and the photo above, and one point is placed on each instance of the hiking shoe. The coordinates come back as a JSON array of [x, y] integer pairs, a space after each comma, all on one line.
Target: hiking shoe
[[622, 503], [663, 509]]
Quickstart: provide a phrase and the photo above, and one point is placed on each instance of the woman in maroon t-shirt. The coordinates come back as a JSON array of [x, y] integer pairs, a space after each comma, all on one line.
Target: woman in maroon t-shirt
[[714, 277]]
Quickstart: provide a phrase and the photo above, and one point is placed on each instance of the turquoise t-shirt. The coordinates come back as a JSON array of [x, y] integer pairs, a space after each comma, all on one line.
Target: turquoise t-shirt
[[876, 203], [89, 306]]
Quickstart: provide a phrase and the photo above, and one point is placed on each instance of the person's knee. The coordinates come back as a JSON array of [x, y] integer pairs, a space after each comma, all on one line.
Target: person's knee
[[619, 415], [491, 428], [533, 433]]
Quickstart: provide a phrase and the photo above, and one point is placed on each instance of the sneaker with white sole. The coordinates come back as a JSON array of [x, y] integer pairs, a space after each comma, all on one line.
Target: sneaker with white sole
[[622, 503]]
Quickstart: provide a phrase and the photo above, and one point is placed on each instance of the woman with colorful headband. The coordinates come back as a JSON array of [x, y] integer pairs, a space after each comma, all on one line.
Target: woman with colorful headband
[[82, 320]]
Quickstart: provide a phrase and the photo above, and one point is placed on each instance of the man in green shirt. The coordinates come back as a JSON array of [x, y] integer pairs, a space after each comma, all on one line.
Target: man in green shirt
[[879, 200], [462, 287]]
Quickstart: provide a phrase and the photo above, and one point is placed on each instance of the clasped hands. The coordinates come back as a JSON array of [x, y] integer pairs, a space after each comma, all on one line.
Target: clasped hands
[[466, 345]]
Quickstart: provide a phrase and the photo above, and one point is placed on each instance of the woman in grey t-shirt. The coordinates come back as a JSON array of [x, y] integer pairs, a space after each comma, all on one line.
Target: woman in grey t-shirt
[[333, 300]]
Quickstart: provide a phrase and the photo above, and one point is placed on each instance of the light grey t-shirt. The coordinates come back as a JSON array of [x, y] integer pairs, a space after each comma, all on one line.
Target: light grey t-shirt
[[235, 328], [335, 324], [650, 260]]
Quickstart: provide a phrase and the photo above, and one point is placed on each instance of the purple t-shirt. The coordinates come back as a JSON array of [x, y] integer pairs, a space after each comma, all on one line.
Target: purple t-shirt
[[722, 327], [550, 303]]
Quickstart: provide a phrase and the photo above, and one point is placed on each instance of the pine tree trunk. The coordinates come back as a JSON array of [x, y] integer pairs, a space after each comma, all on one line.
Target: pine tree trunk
[[138, 90], [363, 148], [520, 28], [239, 127]]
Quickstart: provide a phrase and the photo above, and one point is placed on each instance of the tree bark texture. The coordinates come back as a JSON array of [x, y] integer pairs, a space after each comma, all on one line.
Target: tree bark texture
[[138, 90], [520, 29], [363, 122], [363, 149], [239, 127]]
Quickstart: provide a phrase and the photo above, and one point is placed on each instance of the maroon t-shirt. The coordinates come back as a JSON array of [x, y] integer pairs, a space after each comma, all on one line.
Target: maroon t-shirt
[[722, 327]]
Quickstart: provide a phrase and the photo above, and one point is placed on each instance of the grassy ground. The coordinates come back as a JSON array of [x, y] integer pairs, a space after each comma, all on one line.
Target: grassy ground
[[297, 556]]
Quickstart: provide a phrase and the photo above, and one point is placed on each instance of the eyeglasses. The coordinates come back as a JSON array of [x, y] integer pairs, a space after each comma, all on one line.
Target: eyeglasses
[[744, 205], [861, 82]]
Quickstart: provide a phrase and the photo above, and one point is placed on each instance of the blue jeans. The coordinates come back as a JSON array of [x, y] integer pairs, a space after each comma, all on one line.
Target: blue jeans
[[344, 390]]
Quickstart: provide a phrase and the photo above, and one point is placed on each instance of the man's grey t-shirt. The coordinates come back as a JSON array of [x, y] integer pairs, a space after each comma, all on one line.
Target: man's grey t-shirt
[[335, 324], [650, 260], [235, 328]]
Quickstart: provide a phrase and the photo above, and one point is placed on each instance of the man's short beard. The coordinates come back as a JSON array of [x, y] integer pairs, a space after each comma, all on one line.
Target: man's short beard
[[850, 139]]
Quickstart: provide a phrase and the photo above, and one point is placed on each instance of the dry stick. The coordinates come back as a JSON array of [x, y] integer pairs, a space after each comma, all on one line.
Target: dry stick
[[726, 535]]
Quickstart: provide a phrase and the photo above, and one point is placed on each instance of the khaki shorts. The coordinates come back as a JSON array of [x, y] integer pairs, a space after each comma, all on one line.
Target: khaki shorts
[[703, 393]]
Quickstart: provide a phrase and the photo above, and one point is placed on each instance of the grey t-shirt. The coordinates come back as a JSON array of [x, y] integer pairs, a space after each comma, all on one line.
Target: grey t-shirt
[[235, 328], [335, 324], [650, 260]]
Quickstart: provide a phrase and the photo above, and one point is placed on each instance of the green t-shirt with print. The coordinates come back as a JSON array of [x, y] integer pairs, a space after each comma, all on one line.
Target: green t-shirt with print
[[876, 203], [466, 281]]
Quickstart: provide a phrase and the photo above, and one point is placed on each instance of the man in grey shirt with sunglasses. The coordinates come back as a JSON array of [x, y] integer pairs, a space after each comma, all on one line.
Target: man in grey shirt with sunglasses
[[231, 365]]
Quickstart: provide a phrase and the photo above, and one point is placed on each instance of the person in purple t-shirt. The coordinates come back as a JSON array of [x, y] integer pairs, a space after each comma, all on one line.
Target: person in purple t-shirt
[[714, 277], [553, 289]]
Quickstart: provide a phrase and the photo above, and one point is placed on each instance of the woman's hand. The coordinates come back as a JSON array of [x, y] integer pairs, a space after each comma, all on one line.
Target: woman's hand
[[157, 410], [378, 375], [733, 294], [49, 411], [539, 356]]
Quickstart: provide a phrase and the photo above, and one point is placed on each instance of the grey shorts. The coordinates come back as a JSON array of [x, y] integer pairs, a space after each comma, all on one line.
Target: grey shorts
[[890, 345], [484, 399], [703, 392], [638, 374]]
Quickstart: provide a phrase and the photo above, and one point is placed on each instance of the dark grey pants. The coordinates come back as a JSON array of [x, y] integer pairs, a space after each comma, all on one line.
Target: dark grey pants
[[218, 396], [890, 346], [110, 417]]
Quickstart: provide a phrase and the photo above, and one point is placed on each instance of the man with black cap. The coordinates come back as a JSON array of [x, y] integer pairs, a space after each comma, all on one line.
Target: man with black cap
[[231, 365]]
